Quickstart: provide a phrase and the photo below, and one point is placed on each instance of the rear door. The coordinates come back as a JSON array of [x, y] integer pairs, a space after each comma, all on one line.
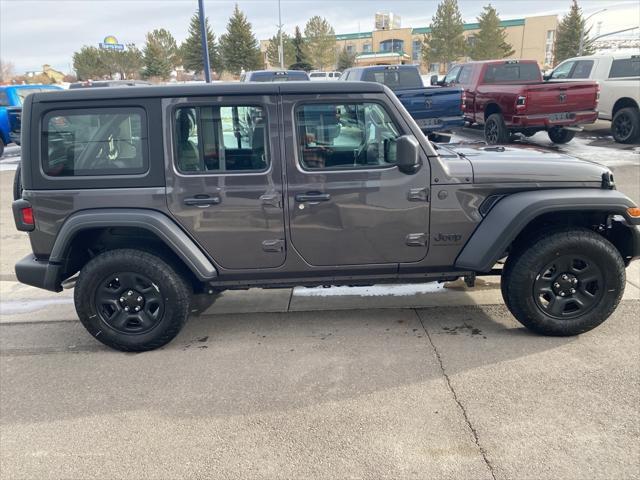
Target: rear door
[[348, 203], [224, 177]]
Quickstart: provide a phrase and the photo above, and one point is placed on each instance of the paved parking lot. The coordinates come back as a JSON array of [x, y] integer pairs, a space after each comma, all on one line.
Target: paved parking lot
[[411, 382]]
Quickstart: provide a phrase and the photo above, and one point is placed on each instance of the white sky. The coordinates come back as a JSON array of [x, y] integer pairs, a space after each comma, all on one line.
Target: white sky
[[34, 32]]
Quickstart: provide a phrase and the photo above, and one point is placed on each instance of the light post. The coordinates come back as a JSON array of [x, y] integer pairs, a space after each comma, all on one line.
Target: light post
[[581, 47], [205, 44], [281, 47]]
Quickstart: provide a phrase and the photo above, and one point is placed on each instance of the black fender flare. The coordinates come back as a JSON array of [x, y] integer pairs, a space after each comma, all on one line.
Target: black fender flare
[[155, 222], [510, 215]]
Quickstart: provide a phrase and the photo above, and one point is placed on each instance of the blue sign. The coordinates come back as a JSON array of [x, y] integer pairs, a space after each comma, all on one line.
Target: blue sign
[[111, 43]]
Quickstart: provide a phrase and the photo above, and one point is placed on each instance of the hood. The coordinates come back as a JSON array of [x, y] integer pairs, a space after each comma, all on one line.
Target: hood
[[506, 164]]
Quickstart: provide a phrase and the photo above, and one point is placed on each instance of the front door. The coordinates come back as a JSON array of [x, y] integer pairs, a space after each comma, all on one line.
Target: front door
[[348, 203], [225, 179]]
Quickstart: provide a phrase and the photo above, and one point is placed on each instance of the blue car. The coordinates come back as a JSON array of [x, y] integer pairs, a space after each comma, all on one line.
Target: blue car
[[435, 109], [11, 97]]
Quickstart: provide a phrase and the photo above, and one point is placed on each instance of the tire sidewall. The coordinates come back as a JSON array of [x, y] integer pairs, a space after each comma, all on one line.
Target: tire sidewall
[[173, 290], [634, 115], [519, 293], [502, 132], [560, 135]]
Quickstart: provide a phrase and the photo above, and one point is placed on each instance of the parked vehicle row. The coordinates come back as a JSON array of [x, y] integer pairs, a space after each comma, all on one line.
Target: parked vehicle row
[[163, 195]]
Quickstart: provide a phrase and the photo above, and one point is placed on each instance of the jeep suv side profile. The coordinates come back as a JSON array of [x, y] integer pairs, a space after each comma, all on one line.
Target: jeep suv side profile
[[149, 199]]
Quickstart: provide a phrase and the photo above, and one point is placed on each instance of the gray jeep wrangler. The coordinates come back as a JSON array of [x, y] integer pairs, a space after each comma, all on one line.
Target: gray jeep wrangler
[[159, 196]]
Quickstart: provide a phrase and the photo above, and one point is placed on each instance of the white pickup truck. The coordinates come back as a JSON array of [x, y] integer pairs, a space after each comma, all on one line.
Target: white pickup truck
[[618, 75]]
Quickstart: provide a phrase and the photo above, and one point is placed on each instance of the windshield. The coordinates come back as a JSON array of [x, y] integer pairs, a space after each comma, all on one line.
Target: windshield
[[395, 78]]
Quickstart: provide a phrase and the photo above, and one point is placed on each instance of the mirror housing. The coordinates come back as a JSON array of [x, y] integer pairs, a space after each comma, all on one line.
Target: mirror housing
[[547, 77], [408, 154], [434, 80]]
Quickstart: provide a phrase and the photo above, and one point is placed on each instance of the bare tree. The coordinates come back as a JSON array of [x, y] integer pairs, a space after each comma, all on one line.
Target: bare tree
[[6, 71]]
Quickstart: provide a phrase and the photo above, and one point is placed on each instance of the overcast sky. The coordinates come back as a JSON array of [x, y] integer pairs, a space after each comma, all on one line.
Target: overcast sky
[[34, 32]]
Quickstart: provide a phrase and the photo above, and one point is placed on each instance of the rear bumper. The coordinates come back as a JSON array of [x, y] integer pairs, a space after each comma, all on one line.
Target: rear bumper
[[546, 121], [39, 273], [444, 123]]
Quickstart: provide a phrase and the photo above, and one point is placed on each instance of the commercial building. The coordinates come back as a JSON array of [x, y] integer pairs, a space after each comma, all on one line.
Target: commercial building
[[531, 38]]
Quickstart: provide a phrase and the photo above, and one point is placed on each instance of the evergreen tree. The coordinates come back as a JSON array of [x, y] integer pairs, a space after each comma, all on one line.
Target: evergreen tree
[[159, 54], [300, 52], [191, 48], [87, 64], [273, 50], [239, 46], [571, 28], [490, 41], [345, 60], [445, 44], [321, 42]]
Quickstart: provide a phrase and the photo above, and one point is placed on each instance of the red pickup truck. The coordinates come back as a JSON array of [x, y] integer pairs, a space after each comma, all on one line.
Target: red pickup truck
[[510, 96]]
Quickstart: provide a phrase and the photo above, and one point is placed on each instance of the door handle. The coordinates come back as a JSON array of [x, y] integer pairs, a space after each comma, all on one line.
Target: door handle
[[202, 201], [312, 197]]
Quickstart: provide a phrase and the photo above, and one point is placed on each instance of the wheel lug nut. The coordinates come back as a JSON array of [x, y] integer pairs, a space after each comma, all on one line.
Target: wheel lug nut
[[562, 294], [130, 292], [122, 299], [126, 309], [573, 290], [564, 277], [137, 309], [139, 299], [556, 284], [575, 280]]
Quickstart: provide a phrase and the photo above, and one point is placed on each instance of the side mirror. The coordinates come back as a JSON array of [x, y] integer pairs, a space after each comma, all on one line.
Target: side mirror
[[408, 154], [547, 77], [434, 80]]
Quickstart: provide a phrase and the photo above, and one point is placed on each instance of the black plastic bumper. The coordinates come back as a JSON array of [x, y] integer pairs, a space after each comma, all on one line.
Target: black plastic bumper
[[39, 273]]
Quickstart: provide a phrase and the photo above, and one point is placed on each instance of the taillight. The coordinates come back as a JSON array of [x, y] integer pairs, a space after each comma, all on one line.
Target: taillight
[[521, 102], [27, 216], [597, 93], [464, 100]]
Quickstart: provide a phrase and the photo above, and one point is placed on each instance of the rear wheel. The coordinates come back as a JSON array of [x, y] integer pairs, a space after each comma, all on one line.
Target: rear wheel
[[625, 126], [131, 300], [563, 282], [560, 135], [495, 131]]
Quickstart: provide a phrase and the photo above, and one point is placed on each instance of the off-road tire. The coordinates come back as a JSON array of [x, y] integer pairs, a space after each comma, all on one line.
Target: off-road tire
[[17, 183], [523, 268], [625, 125], [172, 289], [1, 148], [495, 131], [560, 135]]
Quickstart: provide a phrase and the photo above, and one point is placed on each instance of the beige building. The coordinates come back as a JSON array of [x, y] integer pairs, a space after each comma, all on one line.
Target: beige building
[[531, 38]]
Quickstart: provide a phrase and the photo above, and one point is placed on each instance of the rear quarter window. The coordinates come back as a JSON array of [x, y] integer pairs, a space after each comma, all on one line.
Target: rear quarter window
[[625, 67], [100, 141], [511, 72]]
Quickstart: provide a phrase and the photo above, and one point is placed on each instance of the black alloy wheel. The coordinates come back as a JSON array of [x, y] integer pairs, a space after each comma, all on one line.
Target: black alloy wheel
[[568, 287], [130, 303]]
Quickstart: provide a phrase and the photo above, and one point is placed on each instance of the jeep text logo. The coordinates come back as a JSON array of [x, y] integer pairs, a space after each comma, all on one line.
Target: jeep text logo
[[447, 237]]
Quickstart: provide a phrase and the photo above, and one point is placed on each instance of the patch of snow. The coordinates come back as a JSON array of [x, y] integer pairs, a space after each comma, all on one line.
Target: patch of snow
[[404, 290]]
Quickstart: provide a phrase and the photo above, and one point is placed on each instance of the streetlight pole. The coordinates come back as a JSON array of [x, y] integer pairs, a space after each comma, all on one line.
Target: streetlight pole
[[281, 47], [205, 44], [581, 47]]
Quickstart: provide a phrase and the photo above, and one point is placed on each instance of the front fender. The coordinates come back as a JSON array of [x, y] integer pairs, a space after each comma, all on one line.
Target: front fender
[[512, 214]]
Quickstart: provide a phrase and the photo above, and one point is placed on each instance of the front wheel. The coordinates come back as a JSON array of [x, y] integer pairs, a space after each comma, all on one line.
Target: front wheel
[[131, 300], [563, 282], [625, 126], [560, 135]]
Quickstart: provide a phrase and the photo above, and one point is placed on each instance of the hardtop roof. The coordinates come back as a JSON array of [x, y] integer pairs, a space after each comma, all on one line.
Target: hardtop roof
[[211, 89]]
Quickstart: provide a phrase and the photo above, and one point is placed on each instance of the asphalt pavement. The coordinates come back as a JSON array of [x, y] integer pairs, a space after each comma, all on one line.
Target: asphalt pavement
[[426, 381]]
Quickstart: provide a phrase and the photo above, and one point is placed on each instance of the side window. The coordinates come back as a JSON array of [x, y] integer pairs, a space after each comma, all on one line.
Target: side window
[[4, 99], [625, 67], [452, 76], [582, 69], [345, 136], [465, 75], [562, 71], [219, 139], [107, 141]]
